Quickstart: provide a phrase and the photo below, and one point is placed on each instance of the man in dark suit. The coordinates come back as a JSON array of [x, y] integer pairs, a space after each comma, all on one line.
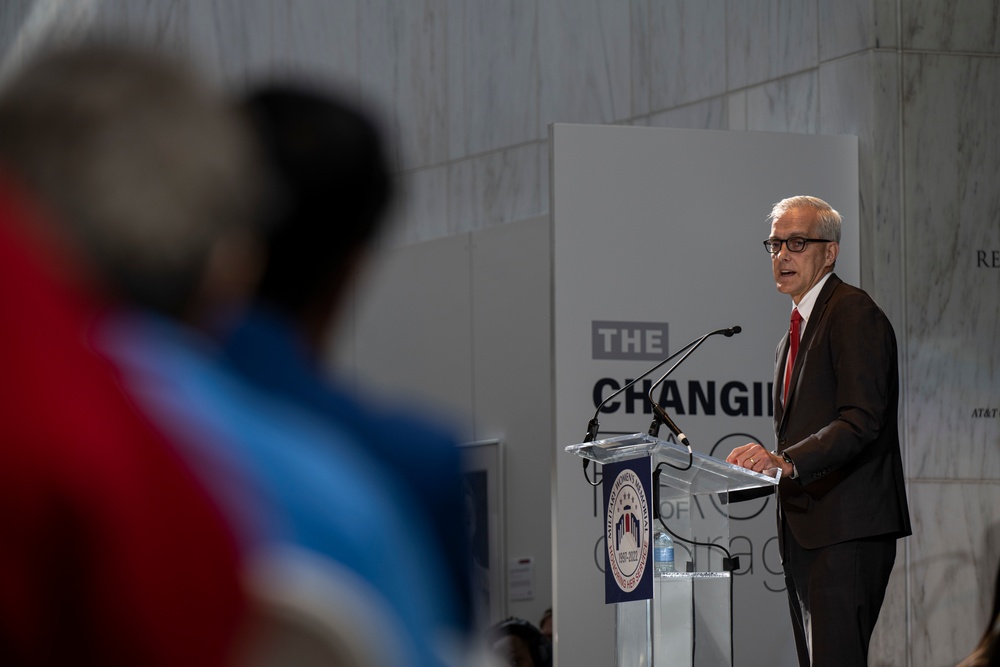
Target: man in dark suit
[[842, 503]]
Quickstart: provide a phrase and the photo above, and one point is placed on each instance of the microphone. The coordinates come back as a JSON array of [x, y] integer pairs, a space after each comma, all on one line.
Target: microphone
[[661, 416]]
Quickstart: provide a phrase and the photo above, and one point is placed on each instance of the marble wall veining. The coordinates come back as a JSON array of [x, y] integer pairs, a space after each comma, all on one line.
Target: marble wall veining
[[787, 104], [860, 96], [952, 168], [956, 538], [940, 25], [845, 26], [584, 62], [469, 87], [687, 47], [493, 75], [404, 66], [768, 39]]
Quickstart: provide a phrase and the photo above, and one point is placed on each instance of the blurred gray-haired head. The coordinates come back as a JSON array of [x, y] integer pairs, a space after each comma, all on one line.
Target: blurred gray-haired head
[[146, 167]]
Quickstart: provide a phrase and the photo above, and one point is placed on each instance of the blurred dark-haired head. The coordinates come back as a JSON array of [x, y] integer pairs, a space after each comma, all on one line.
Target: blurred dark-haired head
[[333, 186], [517, 642]]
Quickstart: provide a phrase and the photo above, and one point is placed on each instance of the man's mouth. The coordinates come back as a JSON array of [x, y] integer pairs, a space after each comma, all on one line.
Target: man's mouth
[[787, 272]]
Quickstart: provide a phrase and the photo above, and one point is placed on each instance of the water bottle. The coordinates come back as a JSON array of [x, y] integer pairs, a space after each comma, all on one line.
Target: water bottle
[[663, 554]]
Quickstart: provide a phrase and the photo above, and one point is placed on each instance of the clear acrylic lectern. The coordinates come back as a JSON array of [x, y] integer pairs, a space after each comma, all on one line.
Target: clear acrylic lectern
[[688, 623]]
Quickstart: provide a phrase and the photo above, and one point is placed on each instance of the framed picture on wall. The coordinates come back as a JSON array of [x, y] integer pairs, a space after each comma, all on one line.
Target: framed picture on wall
[[483, 484]]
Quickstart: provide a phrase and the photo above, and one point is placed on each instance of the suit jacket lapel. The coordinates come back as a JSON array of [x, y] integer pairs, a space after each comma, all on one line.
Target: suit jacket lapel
[[779, 380], [781, 413]]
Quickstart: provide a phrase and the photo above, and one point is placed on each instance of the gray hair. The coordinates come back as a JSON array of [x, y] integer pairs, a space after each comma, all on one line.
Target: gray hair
[[142, 164], [829, 220]]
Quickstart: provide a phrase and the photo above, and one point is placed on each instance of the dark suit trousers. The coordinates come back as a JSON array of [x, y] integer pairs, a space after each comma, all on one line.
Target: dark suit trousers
[[835, 594]]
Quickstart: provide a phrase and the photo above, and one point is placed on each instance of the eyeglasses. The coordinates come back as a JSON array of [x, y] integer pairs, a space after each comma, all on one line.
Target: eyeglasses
[[794, 244]]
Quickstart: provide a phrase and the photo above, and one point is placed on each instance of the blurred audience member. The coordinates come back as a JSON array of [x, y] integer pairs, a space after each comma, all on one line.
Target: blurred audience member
[[987, 652], [545, 625], [334, 185], [156, 180], [520, 644], [112, 553]]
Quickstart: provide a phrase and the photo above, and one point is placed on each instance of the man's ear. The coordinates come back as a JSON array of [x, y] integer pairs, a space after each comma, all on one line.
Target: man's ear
[[832, 251]]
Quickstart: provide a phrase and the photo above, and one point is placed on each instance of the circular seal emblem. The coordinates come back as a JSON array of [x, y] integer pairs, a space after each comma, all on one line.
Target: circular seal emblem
[[627, 530]]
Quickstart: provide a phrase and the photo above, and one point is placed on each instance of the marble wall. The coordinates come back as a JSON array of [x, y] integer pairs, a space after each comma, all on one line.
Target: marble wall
[[468, 88]]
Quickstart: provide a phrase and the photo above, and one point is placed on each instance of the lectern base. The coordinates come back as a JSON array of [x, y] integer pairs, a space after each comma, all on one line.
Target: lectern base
[[686, 624]]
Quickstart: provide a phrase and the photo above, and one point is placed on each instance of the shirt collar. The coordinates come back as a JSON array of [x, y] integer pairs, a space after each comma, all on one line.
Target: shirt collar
[[808, 299]]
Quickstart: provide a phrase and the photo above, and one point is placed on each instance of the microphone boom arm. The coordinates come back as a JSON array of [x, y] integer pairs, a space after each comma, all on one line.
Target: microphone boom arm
[[594, 424], [660, 415]]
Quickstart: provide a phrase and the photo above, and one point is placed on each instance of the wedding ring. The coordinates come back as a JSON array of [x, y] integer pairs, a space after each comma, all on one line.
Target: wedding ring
[[751, 460]]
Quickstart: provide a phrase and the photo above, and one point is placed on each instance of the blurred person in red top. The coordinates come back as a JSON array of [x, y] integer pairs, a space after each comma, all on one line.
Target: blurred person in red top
[[112, 552]]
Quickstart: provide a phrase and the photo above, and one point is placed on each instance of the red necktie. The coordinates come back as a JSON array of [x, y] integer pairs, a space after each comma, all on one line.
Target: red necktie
[[793, 340]]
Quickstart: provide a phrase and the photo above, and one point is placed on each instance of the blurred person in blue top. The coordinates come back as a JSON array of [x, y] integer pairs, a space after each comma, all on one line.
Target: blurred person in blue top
[[334, 188], [162, 199]]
